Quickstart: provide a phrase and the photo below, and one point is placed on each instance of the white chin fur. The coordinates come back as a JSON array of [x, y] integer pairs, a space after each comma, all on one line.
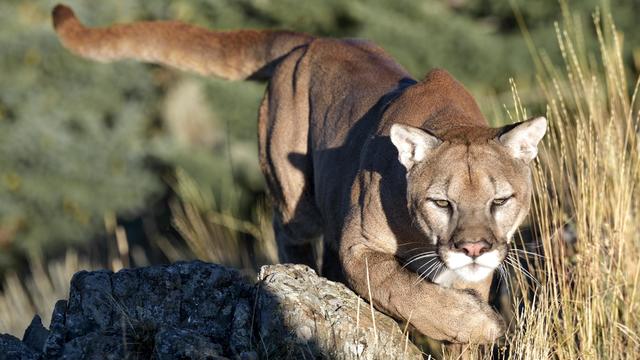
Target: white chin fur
[[474, 273], [462, 266]]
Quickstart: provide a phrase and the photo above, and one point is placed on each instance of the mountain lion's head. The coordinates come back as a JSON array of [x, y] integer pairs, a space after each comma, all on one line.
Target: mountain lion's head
[[469, 191]]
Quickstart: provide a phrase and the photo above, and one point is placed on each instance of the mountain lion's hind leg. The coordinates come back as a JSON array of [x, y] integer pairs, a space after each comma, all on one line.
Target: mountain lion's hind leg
[[294, 245], [283, 131]]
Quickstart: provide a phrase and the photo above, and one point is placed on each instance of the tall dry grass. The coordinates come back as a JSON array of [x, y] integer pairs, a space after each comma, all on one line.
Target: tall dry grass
[[21, 298], [220, 236], [588, 304]]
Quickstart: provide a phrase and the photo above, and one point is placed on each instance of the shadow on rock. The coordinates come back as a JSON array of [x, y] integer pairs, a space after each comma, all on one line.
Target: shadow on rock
[[195, 310]]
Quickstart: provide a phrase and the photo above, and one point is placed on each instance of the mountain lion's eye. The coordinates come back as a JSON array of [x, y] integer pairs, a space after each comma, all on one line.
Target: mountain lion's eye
[[442, 203], [499, 202]]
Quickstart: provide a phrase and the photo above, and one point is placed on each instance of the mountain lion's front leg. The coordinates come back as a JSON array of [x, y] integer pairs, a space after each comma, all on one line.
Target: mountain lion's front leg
[[458, 316]]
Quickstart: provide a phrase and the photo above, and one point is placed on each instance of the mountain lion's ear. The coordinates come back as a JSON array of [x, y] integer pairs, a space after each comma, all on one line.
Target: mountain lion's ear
[[413, 144], [522, 138]]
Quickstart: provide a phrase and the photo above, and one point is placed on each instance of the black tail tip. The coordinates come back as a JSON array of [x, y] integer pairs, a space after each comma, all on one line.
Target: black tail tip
[[61, 13]]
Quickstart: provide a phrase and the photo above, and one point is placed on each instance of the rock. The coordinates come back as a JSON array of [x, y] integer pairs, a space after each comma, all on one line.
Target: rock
[[322, 319], [195, 310], [36, 335], [185, 344], [57, 332], [11, 348], [97, 346]]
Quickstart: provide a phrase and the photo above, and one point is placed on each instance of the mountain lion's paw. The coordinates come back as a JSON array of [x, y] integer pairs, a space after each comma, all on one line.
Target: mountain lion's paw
[[479, 323]]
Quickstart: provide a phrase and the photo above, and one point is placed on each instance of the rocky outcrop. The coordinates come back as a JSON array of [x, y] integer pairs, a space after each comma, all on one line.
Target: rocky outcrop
[[195, 310]]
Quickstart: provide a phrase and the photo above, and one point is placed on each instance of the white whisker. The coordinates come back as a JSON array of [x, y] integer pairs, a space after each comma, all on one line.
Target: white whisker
[[412, 243], [426, 264], [439, 270], [526, 253], [504, 277], [433, 268], [516, 265], [423, 255], [425, 274]]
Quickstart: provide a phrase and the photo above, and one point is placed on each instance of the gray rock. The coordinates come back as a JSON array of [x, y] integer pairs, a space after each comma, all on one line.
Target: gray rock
[[36, 335], [185, 344], [57, 332], [91, 305], [11, 348], [240, 340], [194, 310], [97, 346], [322, 319]]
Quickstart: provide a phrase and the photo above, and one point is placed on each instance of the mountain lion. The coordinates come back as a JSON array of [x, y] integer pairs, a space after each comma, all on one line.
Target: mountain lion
[[415, 196]]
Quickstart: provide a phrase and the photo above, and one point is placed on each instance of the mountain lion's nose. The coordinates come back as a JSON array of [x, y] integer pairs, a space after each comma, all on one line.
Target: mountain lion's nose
[[474, 249]]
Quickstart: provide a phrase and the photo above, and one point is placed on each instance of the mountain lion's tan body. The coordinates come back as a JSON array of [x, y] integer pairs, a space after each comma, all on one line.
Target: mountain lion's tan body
[[333, 170]]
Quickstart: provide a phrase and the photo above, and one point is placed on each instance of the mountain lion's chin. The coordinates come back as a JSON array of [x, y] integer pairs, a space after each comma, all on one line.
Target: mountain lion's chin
[[474, 272]]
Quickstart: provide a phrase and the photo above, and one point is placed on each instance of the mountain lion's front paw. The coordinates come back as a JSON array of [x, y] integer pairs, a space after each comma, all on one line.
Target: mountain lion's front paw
[[477, 322], [458, 316]]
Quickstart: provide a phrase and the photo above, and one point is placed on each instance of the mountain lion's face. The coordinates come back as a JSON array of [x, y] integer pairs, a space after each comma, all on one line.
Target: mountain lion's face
[[469, 197]]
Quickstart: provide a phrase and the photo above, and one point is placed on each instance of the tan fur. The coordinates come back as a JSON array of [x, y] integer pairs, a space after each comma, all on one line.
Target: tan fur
[[179, 45], [333, 170]]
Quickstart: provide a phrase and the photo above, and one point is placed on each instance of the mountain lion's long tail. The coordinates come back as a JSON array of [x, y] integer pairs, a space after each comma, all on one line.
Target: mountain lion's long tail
[[232, 55]]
